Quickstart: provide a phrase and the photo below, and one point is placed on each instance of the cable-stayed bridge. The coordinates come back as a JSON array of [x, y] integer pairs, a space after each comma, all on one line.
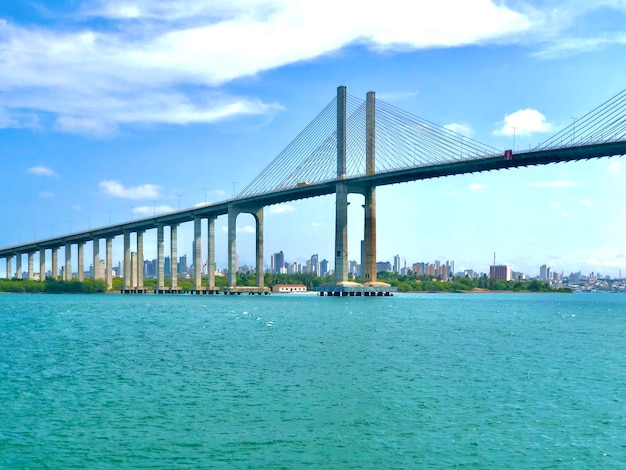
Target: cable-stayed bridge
[[352, 146]]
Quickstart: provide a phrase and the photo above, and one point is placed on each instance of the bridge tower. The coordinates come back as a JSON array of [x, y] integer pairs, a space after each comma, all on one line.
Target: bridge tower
[[341, 193], [369, 233]]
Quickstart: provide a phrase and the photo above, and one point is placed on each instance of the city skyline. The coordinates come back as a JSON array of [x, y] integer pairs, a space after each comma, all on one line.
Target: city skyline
[[88, 137]]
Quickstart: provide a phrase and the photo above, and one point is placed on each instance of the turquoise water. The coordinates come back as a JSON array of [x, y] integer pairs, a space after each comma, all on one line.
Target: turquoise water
[[411, 381]]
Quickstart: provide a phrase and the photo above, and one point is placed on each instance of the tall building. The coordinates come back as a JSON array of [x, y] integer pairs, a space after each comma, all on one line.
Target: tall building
[[396, 264], [315, 264], [500, 272], [167, 266], [544, 272], [278, 262], [182, 264], [324, 267], [418, 269]]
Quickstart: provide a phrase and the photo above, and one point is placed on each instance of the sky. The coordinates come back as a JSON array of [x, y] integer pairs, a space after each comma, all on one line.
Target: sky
[[112, 110]]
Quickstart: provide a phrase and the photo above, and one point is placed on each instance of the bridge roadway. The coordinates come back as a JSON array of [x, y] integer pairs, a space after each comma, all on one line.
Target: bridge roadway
[[354, 185]]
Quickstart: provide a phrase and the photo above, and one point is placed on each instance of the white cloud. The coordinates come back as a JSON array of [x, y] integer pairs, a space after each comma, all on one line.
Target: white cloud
[[46, 195], [459, 128], [566, 215], [614, 167], [116, 189], [152, 210], [552, 184], [41, 170], [586, 202], [281, 209], [477, 186], [524, 122], [165, 61]]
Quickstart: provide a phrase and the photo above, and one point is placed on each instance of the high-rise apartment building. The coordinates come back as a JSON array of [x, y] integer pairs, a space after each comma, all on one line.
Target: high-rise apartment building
[[500, 272], [397, 264]]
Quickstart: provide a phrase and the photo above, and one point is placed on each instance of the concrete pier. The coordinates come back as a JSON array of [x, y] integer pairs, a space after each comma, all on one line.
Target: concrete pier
[[109, 263], [31, 266], [67, 273], [232, 246], [96, 257], [341, 193], [42, 265], [55, 263], [10, 267], [174, 256], [127, 262], [197, 253], [80, 270], [210, 284], [369, 233], [160, 286], [139, 286], [18, 266]]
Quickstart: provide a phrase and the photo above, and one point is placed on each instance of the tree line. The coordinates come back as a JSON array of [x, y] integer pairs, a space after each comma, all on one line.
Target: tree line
[[404, 283]]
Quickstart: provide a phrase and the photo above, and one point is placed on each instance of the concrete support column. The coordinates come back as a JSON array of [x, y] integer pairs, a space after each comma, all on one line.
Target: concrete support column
[[197, 253], [174, 255], [18, 266], [31, 266], [67, 274], [140, 259], [127, 268], [341, 207], [55, 263], [232, 246], [160, 259], [260, 273], [96, 258], [369, 242], [42, 264], [109, 263], [10, 267], [81, 262], [211, 254]]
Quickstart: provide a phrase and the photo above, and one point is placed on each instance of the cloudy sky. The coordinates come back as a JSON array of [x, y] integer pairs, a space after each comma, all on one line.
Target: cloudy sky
[[120, 109]]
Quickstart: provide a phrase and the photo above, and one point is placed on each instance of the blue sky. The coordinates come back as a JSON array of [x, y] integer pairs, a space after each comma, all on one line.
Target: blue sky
[[114, 109]]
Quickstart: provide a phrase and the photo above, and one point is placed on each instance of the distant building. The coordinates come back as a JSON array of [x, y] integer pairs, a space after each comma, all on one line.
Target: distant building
[[383, 266], [397, 264], [418, 269], [315, 264], [288, 288], [500, 272], [324, 267], [278, 262], [182, 264], [544, 273]]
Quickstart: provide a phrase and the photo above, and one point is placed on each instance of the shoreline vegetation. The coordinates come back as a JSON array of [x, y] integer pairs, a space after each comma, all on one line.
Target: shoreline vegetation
[[403, 283]]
